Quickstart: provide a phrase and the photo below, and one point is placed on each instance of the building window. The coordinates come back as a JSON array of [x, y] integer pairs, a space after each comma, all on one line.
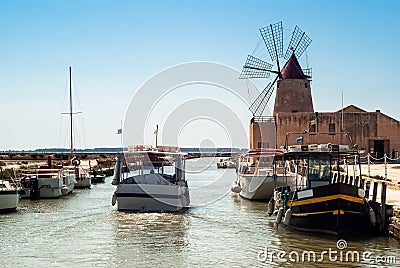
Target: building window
[[332, 127], [263, 144], [312, 128], [305, 85]]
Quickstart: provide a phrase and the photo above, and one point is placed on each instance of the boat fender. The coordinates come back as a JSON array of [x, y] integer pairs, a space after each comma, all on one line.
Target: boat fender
[[271, 205], [236, 188], [288, 216], [114, 199], [64, 190], [372, 217], [279, 216]]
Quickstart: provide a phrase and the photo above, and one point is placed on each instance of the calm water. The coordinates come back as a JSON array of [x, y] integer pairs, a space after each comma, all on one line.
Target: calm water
[[223, 230]]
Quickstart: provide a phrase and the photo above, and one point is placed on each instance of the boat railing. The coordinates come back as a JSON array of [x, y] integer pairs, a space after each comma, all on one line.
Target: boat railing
[[314, 141], [344, 177], [264, 172], [51, 173], [7, 185], [159, 179]]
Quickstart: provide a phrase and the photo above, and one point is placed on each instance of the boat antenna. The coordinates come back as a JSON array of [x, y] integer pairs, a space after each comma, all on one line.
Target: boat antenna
[[156, 133], [341, 128], [70, 111], [120, 132]]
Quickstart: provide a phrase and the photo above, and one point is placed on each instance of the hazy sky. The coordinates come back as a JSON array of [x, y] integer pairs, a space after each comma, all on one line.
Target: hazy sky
[[115, 46]]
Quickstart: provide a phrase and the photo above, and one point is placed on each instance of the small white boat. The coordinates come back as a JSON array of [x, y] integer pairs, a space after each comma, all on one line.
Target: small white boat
[[226, 163], [45, 182], [157, 184], [83, 179], [97, 177], [255, 175], [9, 196]]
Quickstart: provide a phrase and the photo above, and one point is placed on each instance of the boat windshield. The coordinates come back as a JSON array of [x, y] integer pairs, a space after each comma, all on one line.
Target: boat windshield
[[319, 169]]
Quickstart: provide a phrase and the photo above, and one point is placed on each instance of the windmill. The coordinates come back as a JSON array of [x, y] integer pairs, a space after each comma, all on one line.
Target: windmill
[[254, 67]]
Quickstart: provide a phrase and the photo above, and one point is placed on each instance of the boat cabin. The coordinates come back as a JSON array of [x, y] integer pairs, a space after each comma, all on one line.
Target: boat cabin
[[321, 164], [155, 167]]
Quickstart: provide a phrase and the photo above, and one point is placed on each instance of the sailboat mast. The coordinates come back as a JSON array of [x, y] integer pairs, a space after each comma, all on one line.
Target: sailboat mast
[[70, 109]]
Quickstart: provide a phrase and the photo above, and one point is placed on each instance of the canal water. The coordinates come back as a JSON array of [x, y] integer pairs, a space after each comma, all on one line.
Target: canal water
[[220, 230]]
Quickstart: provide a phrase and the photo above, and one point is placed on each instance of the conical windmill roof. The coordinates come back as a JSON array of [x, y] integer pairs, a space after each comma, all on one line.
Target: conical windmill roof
[[293, 69]]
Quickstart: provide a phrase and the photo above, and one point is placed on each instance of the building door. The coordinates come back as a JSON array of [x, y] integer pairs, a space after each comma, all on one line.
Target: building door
[[379, 148]]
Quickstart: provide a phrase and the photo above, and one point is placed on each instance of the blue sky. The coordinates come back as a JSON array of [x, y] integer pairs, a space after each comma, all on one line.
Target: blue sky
[[114, 46]]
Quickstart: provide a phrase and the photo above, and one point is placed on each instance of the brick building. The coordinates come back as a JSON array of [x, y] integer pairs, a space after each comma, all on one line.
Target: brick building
[[373, 132]]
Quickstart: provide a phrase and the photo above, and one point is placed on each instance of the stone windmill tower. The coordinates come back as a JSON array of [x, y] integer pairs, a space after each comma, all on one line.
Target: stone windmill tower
[[292, 83]]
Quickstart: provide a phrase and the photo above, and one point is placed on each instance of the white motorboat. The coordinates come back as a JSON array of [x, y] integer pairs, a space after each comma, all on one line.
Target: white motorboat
[[83, 178], [45, 182], [156, 182], [9, 196], [255, 174], [226, 163]]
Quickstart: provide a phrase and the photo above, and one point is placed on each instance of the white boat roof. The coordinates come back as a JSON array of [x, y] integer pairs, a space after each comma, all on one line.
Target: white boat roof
[[156, 152]]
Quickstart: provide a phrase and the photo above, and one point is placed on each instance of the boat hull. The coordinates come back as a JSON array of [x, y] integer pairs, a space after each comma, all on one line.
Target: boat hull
[[50, 188], [151, 198], [335, 209], [8, 200], [83, 182], [98, 179], [261, 187]]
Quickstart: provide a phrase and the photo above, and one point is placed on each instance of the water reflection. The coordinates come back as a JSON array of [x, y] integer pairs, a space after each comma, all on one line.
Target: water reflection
[[150, 238], [84, 230]]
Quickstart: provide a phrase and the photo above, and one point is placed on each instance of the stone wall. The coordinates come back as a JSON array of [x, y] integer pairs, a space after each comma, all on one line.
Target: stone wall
[[293, 95], [394, 225], [363, 127]]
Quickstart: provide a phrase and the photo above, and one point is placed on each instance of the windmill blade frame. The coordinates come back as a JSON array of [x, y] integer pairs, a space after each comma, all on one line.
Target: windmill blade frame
[[308, 72], [255, 68], [259, 104], [273, 39], [298, 43]]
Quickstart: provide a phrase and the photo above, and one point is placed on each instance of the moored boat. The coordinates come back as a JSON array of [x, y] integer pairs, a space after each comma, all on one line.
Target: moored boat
[[47, 181], [156, 182], [255, 174], [97, 176], [9, 196], [328, 196], [83, 178], [226, 163]]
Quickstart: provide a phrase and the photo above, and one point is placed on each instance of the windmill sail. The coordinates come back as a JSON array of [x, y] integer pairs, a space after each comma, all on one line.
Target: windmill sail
[[258, 106], [273, 39], [255, 68], [298, 43]]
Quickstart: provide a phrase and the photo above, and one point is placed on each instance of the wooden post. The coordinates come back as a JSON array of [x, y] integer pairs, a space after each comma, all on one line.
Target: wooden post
[[385, 167], [375, 191], [367, 186], [369, 169], [383, 207]]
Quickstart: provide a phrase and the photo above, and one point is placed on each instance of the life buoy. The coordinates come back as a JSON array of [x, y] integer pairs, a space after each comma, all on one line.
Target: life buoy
[[76, 161]]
